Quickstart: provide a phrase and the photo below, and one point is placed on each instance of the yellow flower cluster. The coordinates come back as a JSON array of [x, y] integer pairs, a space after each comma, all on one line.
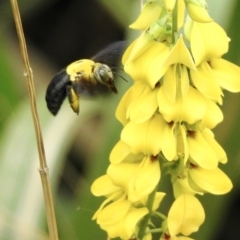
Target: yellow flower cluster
[[168, 113]]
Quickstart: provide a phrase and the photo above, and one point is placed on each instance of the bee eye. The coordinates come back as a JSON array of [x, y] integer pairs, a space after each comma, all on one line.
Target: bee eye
[[103, 75]]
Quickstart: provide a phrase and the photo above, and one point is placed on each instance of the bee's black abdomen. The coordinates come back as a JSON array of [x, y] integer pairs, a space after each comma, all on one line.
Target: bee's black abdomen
[[56, 91]]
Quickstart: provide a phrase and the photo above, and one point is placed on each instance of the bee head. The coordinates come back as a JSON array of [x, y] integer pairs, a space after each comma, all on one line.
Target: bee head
[[104, 75]]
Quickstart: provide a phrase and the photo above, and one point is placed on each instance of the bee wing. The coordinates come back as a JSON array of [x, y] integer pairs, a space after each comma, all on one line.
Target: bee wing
[[112, 54]]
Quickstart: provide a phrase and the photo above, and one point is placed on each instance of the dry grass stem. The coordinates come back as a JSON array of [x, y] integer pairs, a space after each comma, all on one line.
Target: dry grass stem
[[43, 169]]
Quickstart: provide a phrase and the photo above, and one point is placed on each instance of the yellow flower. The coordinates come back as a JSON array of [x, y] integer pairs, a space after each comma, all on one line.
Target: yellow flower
[[196, 180], [122, 152], [123, 223], [185, 215], [206, 83], [150, 12], [180, 55], [153, 59], [197, 11], [181, 185], [220, 153], [138, 104], [167, 115], [189, 109], [126, 216], [103, 186], [206, 45], [214, 181], [176, 82], [151, 137], [169, 5], [226, 74], [146, 65], [137, 47], [120, 219], [136, 179], [201, 151], [213, 115], [144, 137], [157, 200]]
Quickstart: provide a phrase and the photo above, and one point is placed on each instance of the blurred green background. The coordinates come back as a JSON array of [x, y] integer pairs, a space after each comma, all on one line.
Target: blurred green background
[[77, 147]]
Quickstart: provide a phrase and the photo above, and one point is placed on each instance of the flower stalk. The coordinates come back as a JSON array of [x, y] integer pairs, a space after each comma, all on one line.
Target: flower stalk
[[143, 225], [174, 23]]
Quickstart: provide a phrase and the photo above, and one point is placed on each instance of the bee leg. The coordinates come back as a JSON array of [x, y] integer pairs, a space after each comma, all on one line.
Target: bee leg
[[73, 99], [113, 88]]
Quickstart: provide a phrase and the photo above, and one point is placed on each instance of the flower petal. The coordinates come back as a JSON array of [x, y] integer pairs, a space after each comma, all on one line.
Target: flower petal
[[103, 186], [180, 186], [191, 109], [119, 152], [144, 137], [198, 13], [206, 45], [176, 77], [204, 80], [184, 81], [143, 106], [170, 83], [133, 93], [144, 180], [150, 12], [137, 48], [214, 181], [185, 215], [227, 74], [130, 222], [209, 137], [180, 54], [169, 145], [181, 13], [201, 152], [157, 200], [148, 65], [121, 112], [213, 115], [169, 5], [107, 218], [121, 173]]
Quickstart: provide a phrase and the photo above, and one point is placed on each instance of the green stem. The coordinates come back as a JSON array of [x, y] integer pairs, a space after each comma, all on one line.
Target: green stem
[[156, 230], [175, 22], [145, 221], [162, 216]]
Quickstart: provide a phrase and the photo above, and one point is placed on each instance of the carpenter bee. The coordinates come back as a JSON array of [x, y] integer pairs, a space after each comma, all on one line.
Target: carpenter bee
[[84, 77]]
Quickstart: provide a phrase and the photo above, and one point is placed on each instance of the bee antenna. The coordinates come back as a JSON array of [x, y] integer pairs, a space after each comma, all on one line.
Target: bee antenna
[[120, 76]]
